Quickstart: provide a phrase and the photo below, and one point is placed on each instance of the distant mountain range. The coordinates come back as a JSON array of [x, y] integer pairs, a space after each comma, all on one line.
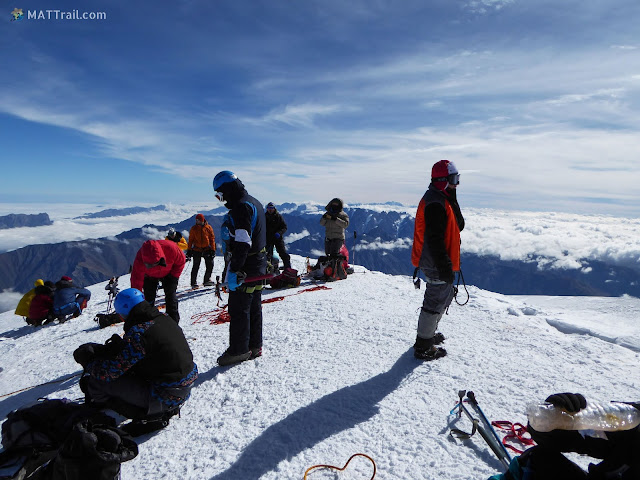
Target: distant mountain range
[[15, 220], [121, 212], [383, 243]]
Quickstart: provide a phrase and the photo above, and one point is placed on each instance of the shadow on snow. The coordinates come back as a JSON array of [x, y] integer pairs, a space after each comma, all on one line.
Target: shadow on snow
[[310, 425]]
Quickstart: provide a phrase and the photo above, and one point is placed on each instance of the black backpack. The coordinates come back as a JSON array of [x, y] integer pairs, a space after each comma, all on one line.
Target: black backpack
[[41, 442]]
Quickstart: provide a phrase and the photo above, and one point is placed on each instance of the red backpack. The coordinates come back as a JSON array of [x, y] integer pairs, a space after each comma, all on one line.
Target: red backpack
[[288, 278]]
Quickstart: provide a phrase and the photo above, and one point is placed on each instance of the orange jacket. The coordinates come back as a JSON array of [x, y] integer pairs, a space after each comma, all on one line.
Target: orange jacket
[[201, 237], [436, 243]]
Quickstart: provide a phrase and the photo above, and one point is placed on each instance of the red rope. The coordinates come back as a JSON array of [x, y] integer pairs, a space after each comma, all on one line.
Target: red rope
[[515, 432], [221, 315], [214, 317]]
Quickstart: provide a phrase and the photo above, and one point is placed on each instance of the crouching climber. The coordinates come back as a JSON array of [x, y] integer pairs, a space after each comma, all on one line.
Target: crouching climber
[[146, 375]]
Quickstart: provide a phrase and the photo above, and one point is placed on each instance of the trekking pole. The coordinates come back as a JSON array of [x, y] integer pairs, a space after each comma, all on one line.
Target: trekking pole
[[353, 257], [472, 399]]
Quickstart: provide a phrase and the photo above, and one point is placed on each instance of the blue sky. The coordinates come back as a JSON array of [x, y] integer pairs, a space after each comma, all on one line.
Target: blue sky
[[537, 102]]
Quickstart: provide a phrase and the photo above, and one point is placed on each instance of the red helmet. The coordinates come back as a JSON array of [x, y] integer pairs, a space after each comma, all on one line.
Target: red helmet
[[443, 174]]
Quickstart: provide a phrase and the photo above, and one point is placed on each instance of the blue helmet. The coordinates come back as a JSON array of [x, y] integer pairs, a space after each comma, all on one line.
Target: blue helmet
[[223, 177], [126, 300]]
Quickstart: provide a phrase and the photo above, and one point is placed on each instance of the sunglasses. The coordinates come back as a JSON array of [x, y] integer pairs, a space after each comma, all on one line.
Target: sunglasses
[[271, 208], [220, 196]]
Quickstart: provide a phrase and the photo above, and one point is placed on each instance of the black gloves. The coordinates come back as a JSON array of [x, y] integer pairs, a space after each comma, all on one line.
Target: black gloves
[[85, 354], [571, 402], [189, 254], [334, 216]]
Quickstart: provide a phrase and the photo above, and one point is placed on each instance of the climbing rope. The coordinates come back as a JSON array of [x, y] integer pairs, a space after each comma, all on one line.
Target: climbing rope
[[214, 317], [221, 315], [515, 432], [311, 289], [455, 289], [42, 384], [345, 465]]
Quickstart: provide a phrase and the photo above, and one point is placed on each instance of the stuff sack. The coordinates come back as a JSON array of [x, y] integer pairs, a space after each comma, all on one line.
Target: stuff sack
[[106, 319], [288, 278]]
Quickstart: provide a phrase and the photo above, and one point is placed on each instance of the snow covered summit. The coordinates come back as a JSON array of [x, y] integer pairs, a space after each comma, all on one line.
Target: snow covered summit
[[338, 377]]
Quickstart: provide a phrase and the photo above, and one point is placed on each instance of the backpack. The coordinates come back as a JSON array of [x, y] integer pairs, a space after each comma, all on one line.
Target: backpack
[[106, 319], [288, 278], [333, 267], [36, 438]]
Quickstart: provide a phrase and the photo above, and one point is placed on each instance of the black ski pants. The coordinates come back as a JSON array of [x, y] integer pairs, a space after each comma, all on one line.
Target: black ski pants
[[208, 266], [332, 246], [278, 243], [245, 327], [170, 286], [128, 395]]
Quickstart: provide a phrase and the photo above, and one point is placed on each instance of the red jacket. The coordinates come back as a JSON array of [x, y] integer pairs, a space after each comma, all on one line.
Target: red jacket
[[41, 304], [151, 252]]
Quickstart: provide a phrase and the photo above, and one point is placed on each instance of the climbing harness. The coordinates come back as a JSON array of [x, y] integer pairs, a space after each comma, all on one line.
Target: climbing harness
[[345, 465]]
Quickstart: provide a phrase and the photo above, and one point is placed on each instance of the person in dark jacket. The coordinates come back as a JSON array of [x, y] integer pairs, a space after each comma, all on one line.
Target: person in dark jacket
[[276, 226], [436, 251], [146, 374], [335, 221], [618, 451], [41, 308], [247, 259], [159, 260], [69, 300]]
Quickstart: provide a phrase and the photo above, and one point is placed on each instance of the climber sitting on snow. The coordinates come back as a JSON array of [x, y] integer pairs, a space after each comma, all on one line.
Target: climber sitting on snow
[[69, 300], [147, 375]]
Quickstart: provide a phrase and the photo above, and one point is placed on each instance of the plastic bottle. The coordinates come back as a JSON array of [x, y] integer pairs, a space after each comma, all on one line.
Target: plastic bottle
[[607, 418]]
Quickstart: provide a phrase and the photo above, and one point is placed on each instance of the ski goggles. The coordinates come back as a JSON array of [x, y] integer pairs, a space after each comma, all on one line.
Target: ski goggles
[[453, 179]]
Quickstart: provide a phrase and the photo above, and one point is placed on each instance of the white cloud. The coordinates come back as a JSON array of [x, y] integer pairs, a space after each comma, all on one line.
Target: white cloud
[[9, 300], [294, 237], [377, 244]]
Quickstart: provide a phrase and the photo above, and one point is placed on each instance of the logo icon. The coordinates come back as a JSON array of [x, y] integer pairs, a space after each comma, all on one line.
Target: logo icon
[[17, 14]]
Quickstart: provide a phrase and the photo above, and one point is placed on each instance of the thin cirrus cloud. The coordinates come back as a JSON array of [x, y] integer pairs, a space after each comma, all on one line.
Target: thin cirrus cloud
[[308, 105]]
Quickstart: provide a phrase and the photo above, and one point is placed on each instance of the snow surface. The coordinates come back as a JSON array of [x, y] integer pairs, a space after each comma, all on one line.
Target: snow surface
[[338, 377]]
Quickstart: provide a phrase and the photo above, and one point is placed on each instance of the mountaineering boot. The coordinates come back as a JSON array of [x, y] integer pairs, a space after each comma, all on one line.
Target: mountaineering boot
[[431, 354], [194, 286], [425, 349], [208, 283], [227, 359], [438, 338], [255, 353], [141, 426]]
